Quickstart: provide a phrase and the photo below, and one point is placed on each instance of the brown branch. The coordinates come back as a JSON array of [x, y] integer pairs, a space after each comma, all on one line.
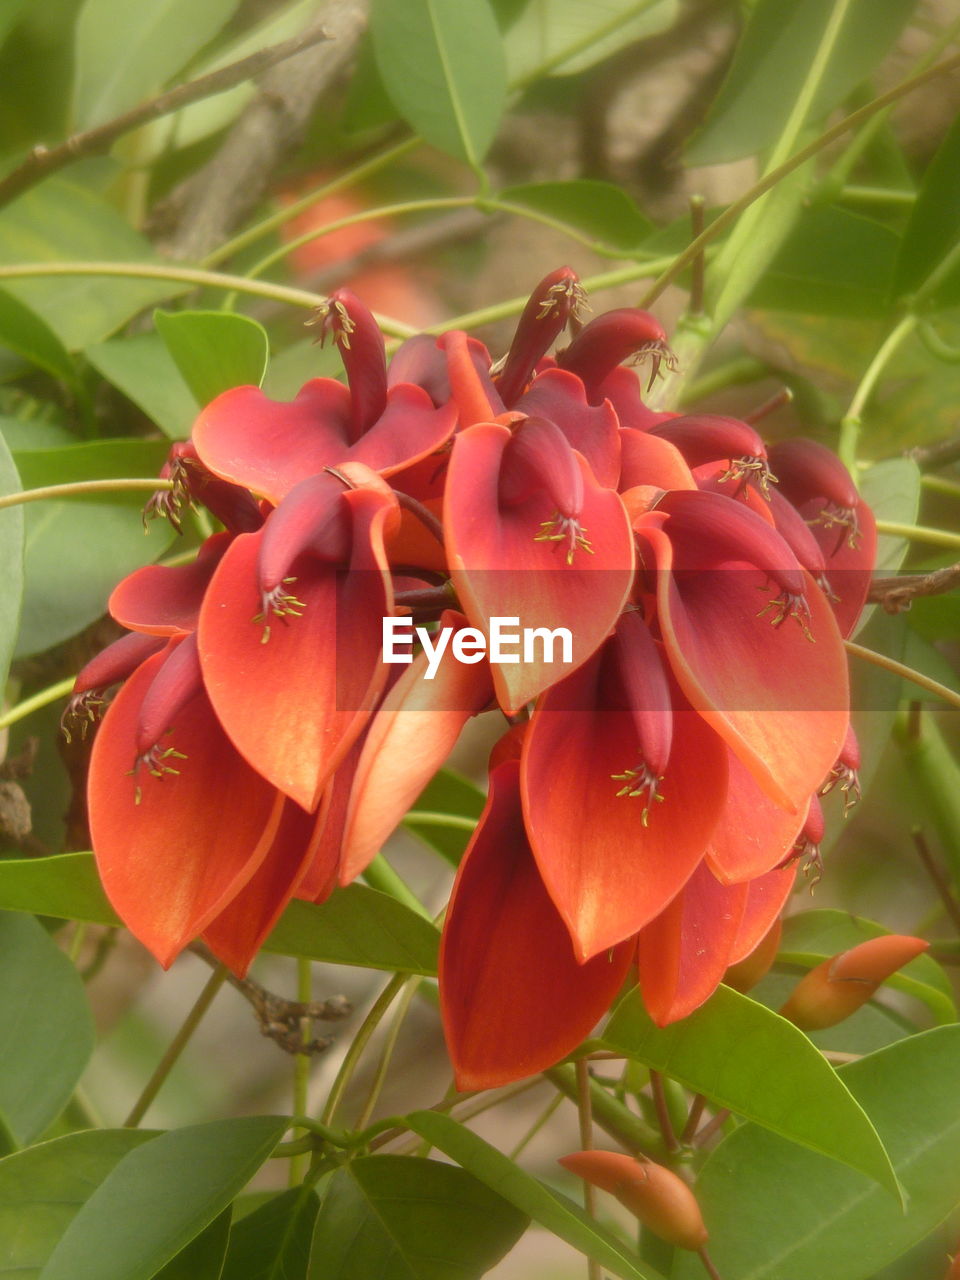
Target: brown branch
[[931, 457], [898, 593], [940, 882], [43, 161]]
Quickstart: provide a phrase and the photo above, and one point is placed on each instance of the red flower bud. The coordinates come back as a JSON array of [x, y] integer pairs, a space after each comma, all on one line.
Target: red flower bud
[[839, 986], [661, 1200], [555, 301], [610, 339]]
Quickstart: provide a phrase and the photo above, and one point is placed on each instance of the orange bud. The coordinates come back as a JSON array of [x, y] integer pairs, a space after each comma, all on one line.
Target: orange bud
[[746, 973], [839, 986], [662, 1201]]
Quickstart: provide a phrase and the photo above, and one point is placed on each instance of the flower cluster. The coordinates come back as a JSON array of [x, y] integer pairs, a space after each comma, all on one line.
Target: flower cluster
[[652, 792]]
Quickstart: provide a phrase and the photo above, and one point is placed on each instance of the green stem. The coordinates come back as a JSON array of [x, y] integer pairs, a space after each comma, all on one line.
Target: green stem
[[920, 533], [939, 484], [79, 488], [428, 818], [390, 1044], [612, 1116], [585, 1119], [876, 195], [853, 418], [360, 1041], [380, 875], [177, 1046], [907, 673], [543, 1118], [37, 702], [301, 1064]]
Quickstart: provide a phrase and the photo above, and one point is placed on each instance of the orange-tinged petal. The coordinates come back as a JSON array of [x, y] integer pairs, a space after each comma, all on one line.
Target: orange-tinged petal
[[755, 833], [513, 996], [767, 896], [165, 600], [646, 459], [838, 987]]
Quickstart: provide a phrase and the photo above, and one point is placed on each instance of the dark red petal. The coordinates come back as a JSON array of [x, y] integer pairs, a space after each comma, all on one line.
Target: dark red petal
[[171, 862], [621, 387], [683, 953], [709, 437], [555, 301], [850, 552], [766, 898], [514, 998], [754, 834], [164, 600], [351, 325], [607, 341], [409, 429], [591, 429], [646, 459]]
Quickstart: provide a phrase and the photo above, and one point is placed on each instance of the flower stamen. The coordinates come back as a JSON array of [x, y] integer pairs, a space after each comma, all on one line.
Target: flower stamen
[[560, 528], [642, 783], [281, 604]]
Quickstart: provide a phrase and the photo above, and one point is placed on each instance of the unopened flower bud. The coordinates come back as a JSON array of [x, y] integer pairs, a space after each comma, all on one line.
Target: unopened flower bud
[[659, 1198], [839, 986]]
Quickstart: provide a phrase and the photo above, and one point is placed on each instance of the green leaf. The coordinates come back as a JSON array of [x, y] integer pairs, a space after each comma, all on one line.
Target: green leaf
[[65, 885], [62, 221], [773, 60], [872, 1027], [892, 489], [598, 209], [160, 1197], [203, 1257], [745, 1057], [550, 1209], [403, 1218], [9, 13], [42, 1189], [273, 1242], [358, 926], [563, 37], [443, 65], [124, 53], [28, 334], [933, 771], [94, 460], [46, 1031], [929, 260], [833, 263], [11, 557], [214, 350], [447, 795], [812, 936], [776, 1212], [144, 370]]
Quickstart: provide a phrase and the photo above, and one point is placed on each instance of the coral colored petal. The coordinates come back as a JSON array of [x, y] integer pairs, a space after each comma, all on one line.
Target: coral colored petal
[[501, 569], [409, 738], [607, 872], [237, 933], [409, 429], [754, 834], [514, 998], [648, 460], [591, 429], [270, 445], [684, 953], [172, 862], [766, 898], [165, 600]]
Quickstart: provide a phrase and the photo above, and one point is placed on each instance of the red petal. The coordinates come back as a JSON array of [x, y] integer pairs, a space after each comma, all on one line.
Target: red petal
[[766, 898], [165, 600], [648, 460], [171, 863], [591, 429], [514, 999], [754, 833]]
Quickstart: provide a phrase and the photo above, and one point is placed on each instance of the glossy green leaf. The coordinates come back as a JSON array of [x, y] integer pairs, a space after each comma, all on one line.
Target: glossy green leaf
[[11, 557], [872, 1027], [46, 1030], [812, 936], [160, 1197], [403, 1218], [28, 334], [144, 370], [745, 1057], [214, 350], [446, 796], [203, 1257], [125, 53], [776, 1212], [892, 488], [62, 221], [773, 60], [597, 209], [358, 926], [548, 1208], [562, 37], [833, 263], [929, 261], [43, 1187], [443, 65], [273, 1242], [94, 460], [65, 885]]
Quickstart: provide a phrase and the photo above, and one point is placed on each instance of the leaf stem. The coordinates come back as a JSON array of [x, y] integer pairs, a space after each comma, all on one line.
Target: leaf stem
[[663, 1112], [37, 701], [920, 533], [380, 875], [359, 1043], [585, 1118], [302, 1064], [78, 488], [939, 880], [390, 1044], [907, 673], [853, 419]]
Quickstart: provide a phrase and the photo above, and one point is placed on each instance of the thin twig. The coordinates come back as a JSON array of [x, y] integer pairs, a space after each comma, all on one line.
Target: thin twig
[[776, 401], [707, 1261], [950, 904], [43, 161], [663, 1112], [712, 1126], [897, 593], [930, 457], [693, 1119], [942, 691], [585, 1116]]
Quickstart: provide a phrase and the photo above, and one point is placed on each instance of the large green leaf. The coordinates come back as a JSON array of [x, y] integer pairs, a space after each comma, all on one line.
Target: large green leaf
[[930, 252], [812, 936], [773, 60], [66, 886], [94, 460], [403, 1218], [597, 209], [62, 221], [144, 370], [562, 37], [892, 490], [550, 1209], [358, 926], [273, 1242], [776, 1212], [11, 557], [443, 65], [446, 813], [203, 1257], [9, 13], [26, 333], [745, 1057], [42, 1188], [160, 1197], [46, 1030], [214, 350], [124, 52]]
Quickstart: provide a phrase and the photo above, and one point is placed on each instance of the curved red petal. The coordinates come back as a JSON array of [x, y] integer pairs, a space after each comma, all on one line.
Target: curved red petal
[[591, 429], [165, 600], [755, 833], [514, 998], [646, 459], [766, 897], [409, 429]]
